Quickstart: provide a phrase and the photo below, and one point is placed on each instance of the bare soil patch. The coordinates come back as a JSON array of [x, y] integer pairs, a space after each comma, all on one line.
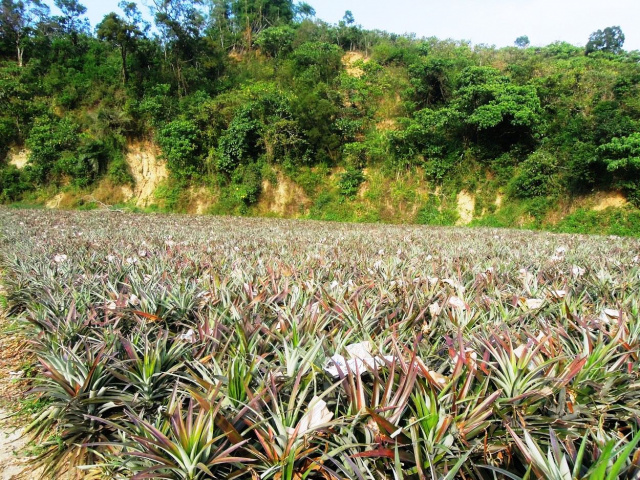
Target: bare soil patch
[[147, 170], [285, 199], [200, 200], [13, 385], [387, 124], [19, 158], [55, 201], [615, 200], [13, 463], [348, 61], [466, 204]]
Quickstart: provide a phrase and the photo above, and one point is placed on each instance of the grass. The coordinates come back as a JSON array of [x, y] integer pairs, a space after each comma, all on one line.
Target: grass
[[185, 347], [611, 221]]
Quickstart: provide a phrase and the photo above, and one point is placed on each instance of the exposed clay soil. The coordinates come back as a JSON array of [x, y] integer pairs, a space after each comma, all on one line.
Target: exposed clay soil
[[147, 170], [19, 158], [466, 204], [55, 201], [615, 200], [285, 199], [349, 59]]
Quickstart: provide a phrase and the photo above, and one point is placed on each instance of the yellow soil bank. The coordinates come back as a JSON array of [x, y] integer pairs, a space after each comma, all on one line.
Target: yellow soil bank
[[466, 204], [147, 171], [19, 158], [349, 59], [615, 200], [284, 199]]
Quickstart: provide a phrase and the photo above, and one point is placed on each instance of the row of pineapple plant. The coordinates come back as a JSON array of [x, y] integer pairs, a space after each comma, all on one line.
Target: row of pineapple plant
[[193, 348]]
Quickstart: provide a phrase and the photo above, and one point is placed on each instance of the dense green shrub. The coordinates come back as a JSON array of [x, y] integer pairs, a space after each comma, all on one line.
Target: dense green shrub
[[13, 183], [247, 183], [158, 105], [317, 61], [49, 140], [239, 142], [276, 41], [535, 177], [622, 157], [169, 195], [584, 168], [611, 221], [119, 171], [432, 213], [350, 182], [180, 146]]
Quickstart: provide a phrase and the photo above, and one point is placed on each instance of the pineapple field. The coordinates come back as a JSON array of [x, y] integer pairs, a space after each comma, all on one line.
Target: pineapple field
[[185, 347]]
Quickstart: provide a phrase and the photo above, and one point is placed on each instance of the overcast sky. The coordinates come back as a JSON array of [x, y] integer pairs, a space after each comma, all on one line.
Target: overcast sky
[[493, 22]]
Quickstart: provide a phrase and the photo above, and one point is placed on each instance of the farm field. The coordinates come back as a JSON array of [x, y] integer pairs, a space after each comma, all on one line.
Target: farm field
[[212, 347]]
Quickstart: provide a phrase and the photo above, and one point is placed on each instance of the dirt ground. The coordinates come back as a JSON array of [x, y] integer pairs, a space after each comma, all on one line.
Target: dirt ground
[[12, 445], [13, 385]]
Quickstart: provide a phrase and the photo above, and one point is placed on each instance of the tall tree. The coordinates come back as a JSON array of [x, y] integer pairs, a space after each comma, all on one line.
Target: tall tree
[[181, 23], [18, 20], [347, 31], [220, 22], [495, 112], [122, 33], [611, 40], [253, 16], [72, 20], [304, 10]]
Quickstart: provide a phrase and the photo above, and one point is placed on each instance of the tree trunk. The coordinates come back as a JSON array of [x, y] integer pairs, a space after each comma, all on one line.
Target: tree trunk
[[20, 49], [125, 74]]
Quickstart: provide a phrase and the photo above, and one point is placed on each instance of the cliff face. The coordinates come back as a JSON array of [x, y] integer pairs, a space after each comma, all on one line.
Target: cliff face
[[380, 197]]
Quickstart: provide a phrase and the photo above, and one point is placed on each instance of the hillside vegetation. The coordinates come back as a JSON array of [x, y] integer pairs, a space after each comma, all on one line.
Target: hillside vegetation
[[257, 107]]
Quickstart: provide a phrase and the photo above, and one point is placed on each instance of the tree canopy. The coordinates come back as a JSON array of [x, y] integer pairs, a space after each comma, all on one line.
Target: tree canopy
[[610, 40]]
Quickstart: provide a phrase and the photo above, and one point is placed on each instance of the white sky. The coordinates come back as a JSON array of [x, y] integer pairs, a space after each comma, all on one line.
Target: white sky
[[493, 22]]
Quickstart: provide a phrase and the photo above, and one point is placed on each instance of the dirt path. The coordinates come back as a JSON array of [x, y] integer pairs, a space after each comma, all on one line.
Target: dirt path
[[13, 385], [12, 445]]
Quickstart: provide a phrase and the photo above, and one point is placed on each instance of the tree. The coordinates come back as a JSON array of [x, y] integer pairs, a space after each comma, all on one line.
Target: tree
[[622, 157], [71, 20], [275, 41], [522, 42], [488, 101], [253, 16], [178, 20], [180, 146], [18, 19], [220, 21], [486, 109], [536, 177], [181, 23], [347, 31], [48, 141], [304, 10], [121, 33], [317, 61], [610, 40], [430, 80], [240, 142]]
